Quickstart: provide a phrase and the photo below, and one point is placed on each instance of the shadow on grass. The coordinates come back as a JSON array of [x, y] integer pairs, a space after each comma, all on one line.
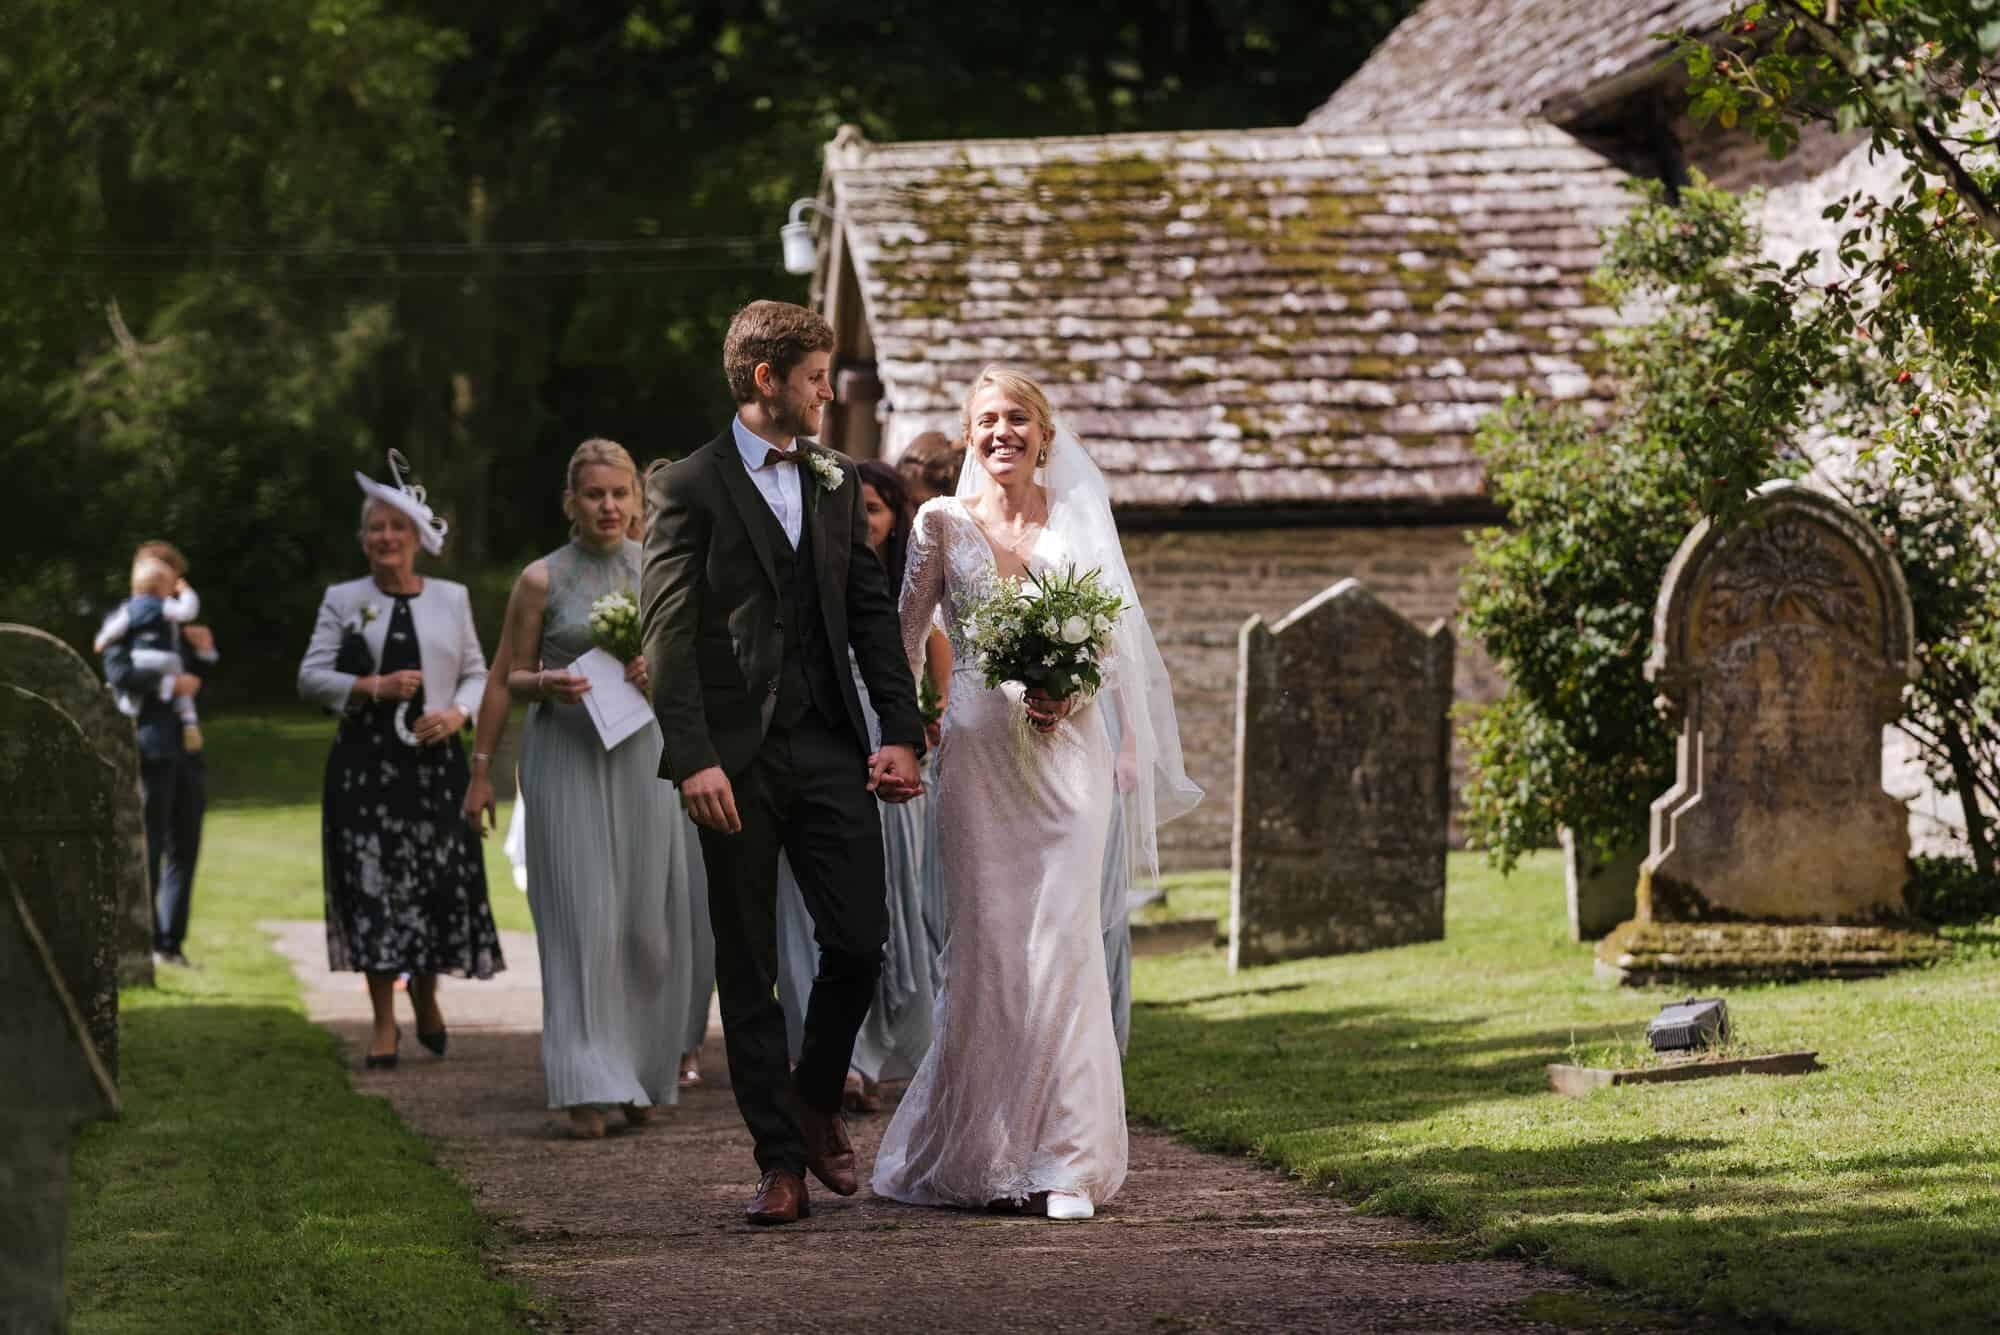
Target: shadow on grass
[[1303, 1070], [1206, 997], [1886, 1239], [1738, 1242], [248, 1187]]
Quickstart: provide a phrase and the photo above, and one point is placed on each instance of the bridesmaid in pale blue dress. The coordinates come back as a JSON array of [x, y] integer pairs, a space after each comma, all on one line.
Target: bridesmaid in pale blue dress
[[687, 879], [897, 1031], [611, 879]]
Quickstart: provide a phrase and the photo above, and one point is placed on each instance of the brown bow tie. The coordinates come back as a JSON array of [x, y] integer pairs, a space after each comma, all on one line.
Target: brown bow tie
[[777, 456]]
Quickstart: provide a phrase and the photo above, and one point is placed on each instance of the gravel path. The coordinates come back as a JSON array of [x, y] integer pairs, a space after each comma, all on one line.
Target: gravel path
[[640, 1231]]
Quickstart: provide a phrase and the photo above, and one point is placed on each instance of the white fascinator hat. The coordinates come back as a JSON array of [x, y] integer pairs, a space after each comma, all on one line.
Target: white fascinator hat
[[408, 497]]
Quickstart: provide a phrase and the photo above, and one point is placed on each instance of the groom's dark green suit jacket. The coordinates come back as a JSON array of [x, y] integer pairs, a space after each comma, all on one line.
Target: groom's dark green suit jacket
[[709, 592]]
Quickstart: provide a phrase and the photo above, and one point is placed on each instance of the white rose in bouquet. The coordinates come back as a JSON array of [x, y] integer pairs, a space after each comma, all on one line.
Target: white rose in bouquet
[[1075, 630]]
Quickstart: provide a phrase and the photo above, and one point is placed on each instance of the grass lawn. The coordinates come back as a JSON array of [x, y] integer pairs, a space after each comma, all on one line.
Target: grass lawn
[[1862, 1198], [248, 1187]]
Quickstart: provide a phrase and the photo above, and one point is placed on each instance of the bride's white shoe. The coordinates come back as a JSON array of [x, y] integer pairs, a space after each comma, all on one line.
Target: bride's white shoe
[[1070, 1205]]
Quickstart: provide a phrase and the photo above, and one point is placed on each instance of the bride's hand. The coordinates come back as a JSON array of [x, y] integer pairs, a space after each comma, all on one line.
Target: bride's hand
[[1044, 711], [635, 672], [1125, 774]]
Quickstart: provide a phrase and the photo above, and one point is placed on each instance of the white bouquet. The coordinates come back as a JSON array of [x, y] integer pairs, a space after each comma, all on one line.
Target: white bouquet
[[614, 625], [1050, 633]]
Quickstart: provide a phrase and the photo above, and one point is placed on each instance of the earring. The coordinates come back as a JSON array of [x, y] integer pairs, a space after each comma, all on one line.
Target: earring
[[1042, 459]]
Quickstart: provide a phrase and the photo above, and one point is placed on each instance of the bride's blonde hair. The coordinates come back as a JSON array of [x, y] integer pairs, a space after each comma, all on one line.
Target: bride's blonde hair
[[1021, 387]]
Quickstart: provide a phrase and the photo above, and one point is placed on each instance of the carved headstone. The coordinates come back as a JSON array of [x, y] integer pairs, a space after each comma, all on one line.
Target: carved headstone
[[58, 989], [56, 839], [55, 1084], [1342, 780], [39, 662], [1783, 645]]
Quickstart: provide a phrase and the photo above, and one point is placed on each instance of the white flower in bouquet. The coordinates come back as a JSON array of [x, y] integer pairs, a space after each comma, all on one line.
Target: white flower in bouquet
[[614, 625], [1075, 630]]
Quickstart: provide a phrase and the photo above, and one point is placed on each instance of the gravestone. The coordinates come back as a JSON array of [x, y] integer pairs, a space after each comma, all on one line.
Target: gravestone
[[55, 1084], [38, 662], [1343, 780], [58, 989], [55, 834], [1782, 644]]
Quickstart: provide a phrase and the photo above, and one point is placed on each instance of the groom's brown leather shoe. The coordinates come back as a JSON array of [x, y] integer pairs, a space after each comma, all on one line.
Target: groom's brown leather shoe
[[829, 1153], [780, 1199]]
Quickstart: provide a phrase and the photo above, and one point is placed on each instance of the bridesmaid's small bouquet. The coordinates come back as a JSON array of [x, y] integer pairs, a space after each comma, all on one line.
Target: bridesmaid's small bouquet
[[614, 625], [1049, 632]]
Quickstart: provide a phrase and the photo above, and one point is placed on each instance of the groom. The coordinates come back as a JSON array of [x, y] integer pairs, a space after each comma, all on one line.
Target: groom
[[758, 579]]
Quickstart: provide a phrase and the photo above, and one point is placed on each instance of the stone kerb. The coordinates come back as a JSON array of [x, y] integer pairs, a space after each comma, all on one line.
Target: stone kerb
[[55, 836], [1783, 645], [38, 662], [1342, 780]]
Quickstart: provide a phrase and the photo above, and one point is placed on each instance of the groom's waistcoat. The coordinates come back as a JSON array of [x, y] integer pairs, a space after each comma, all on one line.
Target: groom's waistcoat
[[806, 677]]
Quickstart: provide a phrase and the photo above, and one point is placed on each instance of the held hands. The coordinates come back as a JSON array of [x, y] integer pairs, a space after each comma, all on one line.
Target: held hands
[[892, 774], [635, 672], [711, 801]]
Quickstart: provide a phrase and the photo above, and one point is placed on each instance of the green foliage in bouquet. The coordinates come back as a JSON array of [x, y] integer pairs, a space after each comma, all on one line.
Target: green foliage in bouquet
[[614, 625], [1048, 632]]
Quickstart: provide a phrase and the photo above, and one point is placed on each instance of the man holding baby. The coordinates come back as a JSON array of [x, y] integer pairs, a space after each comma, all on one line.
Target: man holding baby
[[155, 657]]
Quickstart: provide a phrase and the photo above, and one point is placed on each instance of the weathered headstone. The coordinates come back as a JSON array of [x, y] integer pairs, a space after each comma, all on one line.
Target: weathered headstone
[[55, 1084], [55, 835], [1343, 780], [1782, 644], [39, 662], [58, 988]]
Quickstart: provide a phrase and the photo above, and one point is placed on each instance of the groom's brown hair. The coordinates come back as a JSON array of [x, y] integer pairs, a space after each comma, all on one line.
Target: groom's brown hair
[[776, 332]]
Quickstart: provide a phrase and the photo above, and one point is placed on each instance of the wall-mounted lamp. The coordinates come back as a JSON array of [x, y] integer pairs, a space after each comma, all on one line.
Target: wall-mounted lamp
[[800, 254]]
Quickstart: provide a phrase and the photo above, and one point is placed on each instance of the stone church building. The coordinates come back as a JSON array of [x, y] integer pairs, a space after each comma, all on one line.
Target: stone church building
[[1279, 343]]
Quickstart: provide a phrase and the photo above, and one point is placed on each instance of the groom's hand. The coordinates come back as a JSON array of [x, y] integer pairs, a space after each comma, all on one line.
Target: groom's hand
[[711, 801], [892, 774]]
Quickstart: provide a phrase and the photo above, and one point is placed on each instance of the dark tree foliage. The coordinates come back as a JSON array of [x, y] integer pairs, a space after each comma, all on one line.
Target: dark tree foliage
[[257, 242]]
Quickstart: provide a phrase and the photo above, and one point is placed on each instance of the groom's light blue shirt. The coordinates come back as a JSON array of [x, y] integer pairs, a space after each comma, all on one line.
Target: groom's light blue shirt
[[778, 484]]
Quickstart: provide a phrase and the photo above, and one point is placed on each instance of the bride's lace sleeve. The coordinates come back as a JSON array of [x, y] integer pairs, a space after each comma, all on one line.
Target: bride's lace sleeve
[[923, 580]]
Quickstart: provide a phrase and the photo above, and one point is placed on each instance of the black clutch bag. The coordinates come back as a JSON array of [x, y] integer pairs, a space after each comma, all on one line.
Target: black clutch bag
[[354, 658]]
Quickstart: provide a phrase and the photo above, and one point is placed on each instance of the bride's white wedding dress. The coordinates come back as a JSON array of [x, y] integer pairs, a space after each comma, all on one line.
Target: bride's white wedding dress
[[1022, 1090]]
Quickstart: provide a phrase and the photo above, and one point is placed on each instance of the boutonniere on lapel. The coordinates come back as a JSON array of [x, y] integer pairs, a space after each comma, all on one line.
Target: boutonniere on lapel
[[361, 620], [826, 472]]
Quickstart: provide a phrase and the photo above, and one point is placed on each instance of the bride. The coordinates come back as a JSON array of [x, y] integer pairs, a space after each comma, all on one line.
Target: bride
[[1021, 1099]]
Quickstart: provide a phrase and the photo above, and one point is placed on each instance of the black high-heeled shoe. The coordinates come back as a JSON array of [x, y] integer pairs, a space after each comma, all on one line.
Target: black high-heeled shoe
[[436, 1040], [384, 1061]]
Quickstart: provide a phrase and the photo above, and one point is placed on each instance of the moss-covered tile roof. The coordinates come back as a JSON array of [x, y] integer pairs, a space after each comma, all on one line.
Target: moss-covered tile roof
[[1272, 317], [1465, 58]]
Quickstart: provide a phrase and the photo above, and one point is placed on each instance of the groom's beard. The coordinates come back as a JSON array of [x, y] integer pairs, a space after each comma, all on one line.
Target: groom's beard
[[793, 418]]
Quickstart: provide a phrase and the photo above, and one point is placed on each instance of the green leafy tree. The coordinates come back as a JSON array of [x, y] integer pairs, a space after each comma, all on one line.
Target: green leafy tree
[[1897, 329]]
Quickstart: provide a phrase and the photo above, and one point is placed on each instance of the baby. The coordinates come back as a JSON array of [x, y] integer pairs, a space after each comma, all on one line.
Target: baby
[[161, 601]]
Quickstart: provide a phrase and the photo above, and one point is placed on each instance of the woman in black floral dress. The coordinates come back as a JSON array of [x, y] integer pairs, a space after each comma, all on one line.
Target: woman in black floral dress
[[397, 657]]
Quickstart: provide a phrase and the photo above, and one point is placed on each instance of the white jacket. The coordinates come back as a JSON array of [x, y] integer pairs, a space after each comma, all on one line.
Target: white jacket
[[454, 668]]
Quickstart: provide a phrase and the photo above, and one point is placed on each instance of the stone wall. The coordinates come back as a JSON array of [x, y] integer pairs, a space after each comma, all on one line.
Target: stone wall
[[1200, 586]]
